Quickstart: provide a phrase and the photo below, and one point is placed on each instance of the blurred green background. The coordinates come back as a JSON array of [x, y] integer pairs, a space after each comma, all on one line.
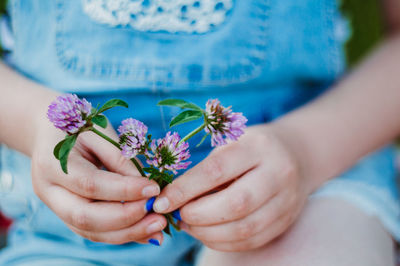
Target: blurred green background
[[367, 27], [365, 17]]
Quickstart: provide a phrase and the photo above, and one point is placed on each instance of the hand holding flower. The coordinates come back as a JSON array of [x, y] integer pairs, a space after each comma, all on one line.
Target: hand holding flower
[[242, 196], [164, 156], [88, 199]]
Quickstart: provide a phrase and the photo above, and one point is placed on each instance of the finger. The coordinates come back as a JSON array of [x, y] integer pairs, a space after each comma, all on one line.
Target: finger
[[222, 165], [241, 198], [107, 153], [96, 216], [155, 239], [242, 229], [261, 239], [86, 180], [151, 224]]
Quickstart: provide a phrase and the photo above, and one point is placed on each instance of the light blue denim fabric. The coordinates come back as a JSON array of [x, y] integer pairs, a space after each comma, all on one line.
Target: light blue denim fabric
[[267, 58]]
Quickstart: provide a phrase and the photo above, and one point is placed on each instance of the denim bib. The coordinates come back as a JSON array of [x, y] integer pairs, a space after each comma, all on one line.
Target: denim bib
[[260, 42]]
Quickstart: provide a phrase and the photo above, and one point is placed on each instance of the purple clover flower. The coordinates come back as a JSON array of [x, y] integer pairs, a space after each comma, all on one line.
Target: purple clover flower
[[132, 137], [168, 154], [222, 123], [69, 113]]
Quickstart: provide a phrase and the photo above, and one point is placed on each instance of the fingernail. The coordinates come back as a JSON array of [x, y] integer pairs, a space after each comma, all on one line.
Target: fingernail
[[154, 242], [154, 227], [150, 191], [149, 204], [161, 204], [177, 215]]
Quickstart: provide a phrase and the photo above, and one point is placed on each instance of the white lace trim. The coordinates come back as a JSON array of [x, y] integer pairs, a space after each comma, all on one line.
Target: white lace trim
[[173, 16]]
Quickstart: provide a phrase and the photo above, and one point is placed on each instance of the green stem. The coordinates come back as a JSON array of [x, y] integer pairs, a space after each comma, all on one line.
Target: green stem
[[194, 132], [116, 144], [135, 162], [113, 142]]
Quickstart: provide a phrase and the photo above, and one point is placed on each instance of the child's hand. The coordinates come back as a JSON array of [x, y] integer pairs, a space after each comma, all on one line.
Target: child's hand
[[88, 199], [264, 197]]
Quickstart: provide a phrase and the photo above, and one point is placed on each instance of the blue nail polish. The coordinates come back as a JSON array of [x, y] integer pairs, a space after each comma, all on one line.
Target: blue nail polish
[[149, 204], [177, 215], [154, 242]]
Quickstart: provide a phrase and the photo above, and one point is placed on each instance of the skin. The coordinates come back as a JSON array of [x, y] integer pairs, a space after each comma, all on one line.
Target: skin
[[88, 199], [271, 170], [317, 239]]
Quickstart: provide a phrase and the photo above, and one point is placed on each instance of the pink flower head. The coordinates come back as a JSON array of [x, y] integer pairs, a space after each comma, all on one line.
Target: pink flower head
[[69, 113], [168, 153], [132, 137], [222, 123]]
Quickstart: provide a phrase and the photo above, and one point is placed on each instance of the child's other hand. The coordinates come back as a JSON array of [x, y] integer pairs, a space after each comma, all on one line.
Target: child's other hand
[[88, 199], [266, 192]]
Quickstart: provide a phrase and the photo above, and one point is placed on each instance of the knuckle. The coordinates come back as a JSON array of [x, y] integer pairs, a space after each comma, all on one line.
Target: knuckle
[[262, 140], [245, 229], [190, 215], [175, 194], [126, 189], [128, 214], [134, 235], [289, 169], [80, 219], [87, 185], [240, 203], [39, 164], [288, 172], [213, 169], [120, 162]]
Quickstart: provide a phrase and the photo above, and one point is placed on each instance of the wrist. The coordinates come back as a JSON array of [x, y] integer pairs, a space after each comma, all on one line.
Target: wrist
[[301, 145], [40, 124]]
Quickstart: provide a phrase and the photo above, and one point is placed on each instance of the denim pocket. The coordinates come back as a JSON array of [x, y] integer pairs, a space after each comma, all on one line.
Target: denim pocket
[[232, 53]]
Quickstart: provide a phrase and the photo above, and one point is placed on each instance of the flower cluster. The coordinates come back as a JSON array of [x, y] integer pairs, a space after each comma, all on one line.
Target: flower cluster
[[132, 137], [169, 153], [222, 123], [69, 113]]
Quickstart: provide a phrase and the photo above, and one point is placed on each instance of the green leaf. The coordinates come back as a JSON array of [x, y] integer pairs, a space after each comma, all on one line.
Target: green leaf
[[112, 103], [179, 103], [100, 120], [152, 176], [57, 148], [202, 140], [175, 225], [185, 117], [171, 221], [167, 177], [167, 230], [66, 147]]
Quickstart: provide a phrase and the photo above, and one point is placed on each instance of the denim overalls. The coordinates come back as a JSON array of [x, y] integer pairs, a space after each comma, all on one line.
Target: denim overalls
[[265, 58]]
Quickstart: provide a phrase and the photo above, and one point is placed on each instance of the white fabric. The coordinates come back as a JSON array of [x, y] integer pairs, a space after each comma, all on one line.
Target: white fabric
[[173, 16]]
